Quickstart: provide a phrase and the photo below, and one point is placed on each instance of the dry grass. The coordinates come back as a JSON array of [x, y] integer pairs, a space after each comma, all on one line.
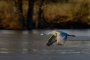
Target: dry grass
[[6, 14], [74, 10], [9, 19]]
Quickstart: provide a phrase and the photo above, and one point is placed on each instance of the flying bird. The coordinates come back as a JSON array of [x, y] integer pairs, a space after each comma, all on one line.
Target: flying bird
[[59, 37]]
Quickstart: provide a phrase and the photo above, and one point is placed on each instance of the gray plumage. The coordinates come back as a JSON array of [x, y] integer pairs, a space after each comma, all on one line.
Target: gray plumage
[[57, 36]]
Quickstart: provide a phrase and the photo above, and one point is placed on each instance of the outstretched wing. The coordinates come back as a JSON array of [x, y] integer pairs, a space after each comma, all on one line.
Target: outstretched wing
[[51, 40]]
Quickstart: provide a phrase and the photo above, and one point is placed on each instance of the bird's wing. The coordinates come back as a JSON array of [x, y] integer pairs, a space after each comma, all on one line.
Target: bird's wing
[[61, 40], [51, 40]]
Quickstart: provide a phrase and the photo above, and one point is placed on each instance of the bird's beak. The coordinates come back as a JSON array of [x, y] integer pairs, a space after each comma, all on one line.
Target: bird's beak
[[41, 34]]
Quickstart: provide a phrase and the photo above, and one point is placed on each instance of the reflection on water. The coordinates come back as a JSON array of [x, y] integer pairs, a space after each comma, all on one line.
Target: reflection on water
[[83, 32], [32, 42]]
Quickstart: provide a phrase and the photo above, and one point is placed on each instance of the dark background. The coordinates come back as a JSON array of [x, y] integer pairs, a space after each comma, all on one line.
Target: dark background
[[44, 14]]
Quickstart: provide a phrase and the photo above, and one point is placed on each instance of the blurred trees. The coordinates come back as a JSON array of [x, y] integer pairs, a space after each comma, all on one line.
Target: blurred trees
[[29, 14], [19, 11], [38, 21], [29, 21]]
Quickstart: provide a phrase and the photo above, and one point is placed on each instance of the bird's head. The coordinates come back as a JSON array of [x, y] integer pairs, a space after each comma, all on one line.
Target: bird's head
[[42, 34]]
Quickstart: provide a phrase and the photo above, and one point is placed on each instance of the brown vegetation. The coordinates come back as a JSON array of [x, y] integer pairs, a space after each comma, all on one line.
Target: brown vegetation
[[70, 14]]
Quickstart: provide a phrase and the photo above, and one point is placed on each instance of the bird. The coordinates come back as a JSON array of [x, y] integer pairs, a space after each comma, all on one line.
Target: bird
[[59, 37]]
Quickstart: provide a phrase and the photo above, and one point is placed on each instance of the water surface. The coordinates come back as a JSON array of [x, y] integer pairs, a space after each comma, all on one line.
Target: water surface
[[30, 45]]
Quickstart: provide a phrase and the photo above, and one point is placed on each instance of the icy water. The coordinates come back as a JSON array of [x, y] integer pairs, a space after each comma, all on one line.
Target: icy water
[[30, 45]]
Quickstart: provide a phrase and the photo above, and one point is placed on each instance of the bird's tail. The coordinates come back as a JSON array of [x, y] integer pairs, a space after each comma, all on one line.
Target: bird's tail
[[71, 35]]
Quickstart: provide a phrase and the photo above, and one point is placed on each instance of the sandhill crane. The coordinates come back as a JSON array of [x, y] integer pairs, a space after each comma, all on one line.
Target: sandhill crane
[[57, 36]]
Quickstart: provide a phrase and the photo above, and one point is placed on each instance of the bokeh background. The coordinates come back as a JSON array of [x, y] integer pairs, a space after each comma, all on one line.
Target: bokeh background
[[47, 14]]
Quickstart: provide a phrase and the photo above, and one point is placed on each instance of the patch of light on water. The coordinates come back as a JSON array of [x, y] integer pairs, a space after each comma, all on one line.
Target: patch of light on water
[[3, 49], [6, 31], [25, 32], [77, 32], [47, 51], [4, 52]]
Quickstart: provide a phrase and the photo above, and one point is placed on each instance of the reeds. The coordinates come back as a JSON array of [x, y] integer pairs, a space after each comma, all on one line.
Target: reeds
[[74, 10]]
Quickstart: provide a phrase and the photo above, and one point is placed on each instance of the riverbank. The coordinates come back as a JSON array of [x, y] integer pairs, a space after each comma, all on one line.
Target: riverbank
[[66, 14]]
